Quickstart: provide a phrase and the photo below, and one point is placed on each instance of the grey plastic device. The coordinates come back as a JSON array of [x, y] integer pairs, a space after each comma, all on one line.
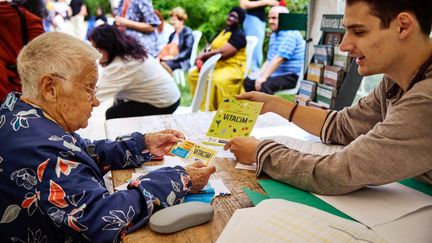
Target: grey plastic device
[[181, 216]]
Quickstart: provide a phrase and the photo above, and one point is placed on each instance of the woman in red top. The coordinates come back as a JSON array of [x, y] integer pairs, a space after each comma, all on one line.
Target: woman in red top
[[15, 32]]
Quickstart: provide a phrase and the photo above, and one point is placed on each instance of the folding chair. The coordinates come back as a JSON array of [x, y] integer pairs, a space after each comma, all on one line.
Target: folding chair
[[178, 74], [205, 77], [251, 42]]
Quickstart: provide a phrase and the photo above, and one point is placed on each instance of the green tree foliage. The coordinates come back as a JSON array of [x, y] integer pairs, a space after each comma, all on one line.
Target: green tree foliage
[[93, 4], [209, 16]]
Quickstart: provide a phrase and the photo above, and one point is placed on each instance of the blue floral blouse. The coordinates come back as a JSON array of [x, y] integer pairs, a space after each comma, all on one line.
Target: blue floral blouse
[[51, 183]]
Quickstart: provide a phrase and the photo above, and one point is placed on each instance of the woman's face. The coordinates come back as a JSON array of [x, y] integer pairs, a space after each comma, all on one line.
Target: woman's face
[[77, 97], [176, 23], [232, 19]]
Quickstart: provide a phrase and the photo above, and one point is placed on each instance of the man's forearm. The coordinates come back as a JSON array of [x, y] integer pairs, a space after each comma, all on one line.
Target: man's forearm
[[271, 67]]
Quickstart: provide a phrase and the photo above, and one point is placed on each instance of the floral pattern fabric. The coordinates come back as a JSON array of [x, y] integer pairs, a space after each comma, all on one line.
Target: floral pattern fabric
[[52, 187], [142, 11]]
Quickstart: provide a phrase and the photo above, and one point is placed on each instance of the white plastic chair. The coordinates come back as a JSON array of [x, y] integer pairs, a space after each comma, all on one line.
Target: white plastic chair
[[294, 90], [205, 77], [178, 74], [251, 42]]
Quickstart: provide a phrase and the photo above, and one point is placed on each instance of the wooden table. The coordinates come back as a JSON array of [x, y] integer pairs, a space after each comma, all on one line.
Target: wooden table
[[195, 125], [224, 206]]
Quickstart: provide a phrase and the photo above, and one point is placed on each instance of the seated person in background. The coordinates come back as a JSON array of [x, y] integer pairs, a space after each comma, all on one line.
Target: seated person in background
[[163, 30], [181, 41], [228, 74], [51, 178], [285, 57], [140, 85], [100, 16], [384, 129]]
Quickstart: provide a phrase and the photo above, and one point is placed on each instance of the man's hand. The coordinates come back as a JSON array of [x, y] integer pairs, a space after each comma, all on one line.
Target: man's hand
[[260, 97], [258, 83], [160, 143], [199, 175], [244, 149]]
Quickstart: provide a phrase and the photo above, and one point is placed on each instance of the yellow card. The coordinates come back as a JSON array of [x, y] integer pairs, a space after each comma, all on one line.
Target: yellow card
[[234, 118], [193, 152]]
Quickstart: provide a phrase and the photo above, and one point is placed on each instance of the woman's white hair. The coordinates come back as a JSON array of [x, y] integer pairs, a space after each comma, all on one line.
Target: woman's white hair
[[53, 53]]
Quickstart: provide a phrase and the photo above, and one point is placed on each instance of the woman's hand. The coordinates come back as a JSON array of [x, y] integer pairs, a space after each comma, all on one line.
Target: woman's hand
[[120, 21], [199, 175], [160, 143]]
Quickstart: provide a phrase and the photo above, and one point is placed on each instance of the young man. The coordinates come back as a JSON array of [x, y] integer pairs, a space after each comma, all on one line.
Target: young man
[[285, 58], [388, 134]]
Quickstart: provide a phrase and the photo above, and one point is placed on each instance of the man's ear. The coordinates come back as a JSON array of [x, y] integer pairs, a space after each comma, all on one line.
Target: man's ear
[[48, 89], [405, 24]]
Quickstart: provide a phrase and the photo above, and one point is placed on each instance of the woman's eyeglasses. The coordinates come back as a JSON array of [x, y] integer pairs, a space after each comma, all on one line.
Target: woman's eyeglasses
[[91, 92]]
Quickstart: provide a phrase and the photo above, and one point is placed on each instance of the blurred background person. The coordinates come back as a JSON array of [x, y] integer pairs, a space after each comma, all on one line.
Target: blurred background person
[[140, 85], [228, 74], [78, 11], [285, 58], [14, 35], [163, 30], [100, 16], [138, 19], [255, 24], [61, 14], [181, 41]]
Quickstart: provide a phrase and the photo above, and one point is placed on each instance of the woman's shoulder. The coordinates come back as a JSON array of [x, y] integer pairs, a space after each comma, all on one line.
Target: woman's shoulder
[[238, 32], [186, 30]]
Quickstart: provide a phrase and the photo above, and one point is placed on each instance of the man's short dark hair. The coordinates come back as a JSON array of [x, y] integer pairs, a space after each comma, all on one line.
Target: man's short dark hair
[[387, 10]]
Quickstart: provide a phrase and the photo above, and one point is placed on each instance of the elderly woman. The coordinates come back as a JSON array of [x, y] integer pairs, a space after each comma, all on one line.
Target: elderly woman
[[139, 83], [51, 179], [181, 40], [229, 71]]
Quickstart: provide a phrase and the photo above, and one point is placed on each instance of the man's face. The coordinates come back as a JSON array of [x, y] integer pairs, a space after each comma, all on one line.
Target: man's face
[[273, 19], [76, 100], [374, 48]]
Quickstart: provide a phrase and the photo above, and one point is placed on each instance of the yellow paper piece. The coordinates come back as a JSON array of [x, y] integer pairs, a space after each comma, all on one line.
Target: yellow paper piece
[[193, 152], [234, 118]]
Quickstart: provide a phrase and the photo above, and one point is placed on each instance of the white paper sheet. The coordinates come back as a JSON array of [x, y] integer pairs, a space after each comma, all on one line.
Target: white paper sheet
[[414, 227], [378, 205], [276, 220], [312, 147], [219, 187]]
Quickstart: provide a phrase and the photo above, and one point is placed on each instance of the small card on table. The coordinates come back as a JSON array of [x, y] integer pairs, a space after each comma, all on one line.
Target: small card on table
[[193, 152]]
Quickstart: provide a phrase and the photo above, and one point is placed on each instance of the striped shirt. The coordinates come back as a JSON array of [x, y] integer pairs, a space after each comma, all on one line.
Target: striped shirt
[[388, 138], [290, 45]]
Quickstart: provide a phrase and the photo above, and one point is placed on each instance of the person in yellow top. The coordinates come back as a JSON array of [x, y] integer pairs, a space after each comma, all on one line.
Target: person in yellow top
[[228, 74]]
